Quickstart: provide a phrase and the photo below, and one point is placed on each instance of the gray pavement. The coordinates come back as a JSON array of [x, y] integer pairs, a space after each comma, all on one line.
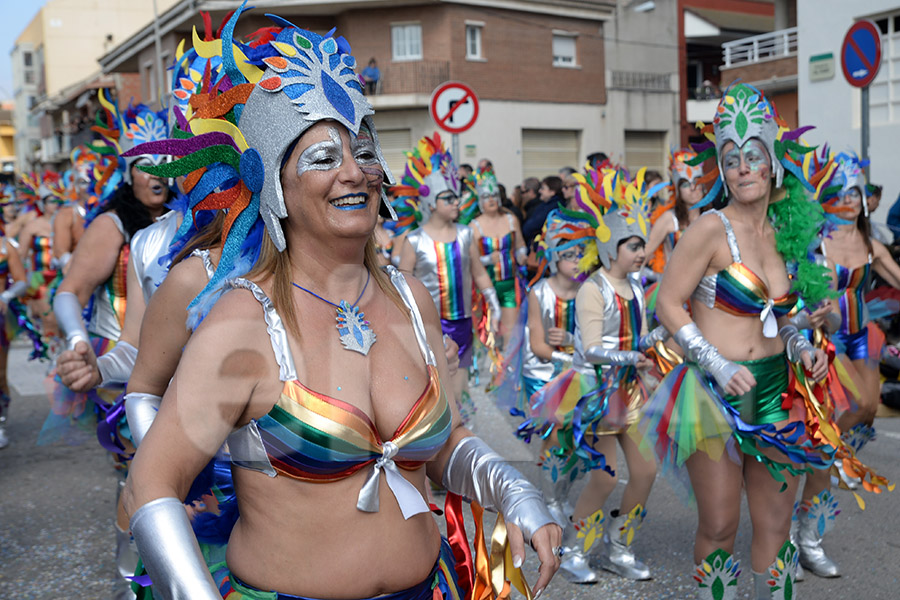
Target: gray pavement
[[57, 509]]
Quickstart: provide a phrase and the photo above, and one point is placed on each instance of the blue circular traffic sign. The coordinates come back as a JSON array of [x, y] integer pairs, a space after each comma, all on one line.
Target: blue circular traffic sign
[[861, 53]]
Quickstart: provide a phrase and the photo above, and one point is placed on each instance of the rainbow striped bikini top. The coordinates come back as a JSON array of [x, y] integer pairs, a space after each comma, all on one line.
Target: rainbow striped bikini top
[[504, 244], [41, 254], [851, 285], [739, 291], [312, 437]]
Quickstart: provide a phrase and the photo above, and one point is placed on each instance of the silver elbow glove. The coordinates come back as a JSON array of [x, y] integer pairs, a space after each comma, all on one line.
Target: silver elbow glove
[[801, 320], [795, 343], [521, 255], [561, 357], [67, 310], [697, 349], [486, 259], [493, 302], [170, 552], [141, 409], [598, 355], [16, 290], [480, 474], [116, 365], [659, 334]]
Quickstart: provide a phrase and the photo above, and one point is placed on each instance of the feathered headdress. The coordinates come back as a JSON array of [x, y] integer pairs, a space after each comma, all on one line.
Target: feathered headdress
[[561, 232], [486, 186], [429, 171], [468, 200]]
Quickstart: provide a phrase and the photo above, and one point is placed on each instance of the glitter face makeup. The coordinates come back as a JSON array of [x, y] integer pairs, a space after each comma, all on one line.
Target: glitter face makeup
[[753, 154], [322, 156]]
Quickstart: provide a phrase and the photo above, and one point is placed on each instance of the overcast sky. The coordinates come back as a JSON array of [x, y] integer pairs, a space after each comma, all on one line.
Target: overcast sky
[[16, 15]]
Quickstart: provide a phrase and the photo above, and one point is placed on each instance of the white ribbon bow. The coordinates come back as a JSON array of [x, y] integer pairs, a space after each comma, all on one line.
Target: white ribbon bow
[[408, 497], [770, 326]]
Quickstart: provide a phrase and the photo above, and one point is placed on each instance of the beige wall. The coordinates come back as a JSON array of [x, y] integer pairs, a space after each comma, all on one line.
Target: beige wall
[[74, 34]]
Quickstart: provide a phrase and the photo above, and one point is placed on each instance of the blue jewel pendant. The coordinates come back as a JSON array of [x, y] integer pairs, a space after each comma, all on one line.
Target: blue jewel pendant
[[353, 328]]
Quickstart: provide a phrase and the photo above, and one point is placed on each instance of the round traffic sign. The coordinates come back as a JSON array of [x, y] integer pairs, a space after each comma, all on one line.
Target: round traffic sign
[[454, 107], [861, 53]]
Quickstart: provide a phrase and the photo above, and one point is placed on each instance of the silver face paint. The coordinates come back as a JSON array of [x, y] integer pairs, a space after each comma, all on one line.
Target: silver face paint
[[365, 154], [322, 156], [753, 154]]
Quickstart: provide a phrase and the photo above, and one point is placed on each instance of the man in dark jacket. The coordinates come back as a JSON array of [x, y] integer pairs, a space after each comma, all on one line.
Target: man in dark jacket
[[550, 197]]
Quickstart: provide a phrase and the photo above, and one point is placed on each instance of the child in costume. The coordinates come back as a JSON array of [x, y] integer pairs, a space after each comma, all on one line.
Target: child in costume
[[592, 404], [729, 396], [501, 248], [440, 253]]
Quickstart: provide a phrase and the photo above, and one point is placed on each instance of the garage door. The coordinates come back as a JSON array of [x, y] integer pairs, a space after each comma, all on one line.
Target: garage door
[[395, 143], [546, 151], [645, 149]]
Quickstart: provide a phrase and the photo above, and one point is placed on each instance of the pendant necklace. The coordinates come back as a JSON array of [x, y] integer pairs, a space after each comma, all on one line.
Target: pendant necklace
[[355, 332]]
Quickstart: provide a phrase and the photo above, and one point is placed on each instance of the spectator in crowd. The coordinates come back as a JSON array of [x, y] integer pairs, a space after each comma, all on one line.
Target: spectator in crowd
[[531, 197], [464, 170], [879, 231], [550, 197], [371, 75], [484, 164], [568, 191], [565, 171], [507, 203], [597, 158]]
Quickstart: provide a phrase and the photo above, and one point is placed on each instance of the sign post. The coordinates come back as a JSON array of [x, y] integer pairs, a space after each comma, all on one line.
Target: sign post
[[860, 61], [454, 108]]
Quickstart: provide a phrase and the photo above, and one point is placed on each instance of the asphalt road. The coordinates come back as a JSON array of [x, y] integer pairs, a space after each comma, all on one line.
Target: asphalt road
[[57, 509]]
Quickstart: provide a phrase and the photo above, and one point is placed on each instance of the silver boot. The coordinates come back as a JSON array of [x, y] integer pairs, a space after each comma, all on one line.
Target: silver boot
[[799, 575], [557, 477], [579, 539], [617, 556], [816, 518], [777, 583], [717, 576]]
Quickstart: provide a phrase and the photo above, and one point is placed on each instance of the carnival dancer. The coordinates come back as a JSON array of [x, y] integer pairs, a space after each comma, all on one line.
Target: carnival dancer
[[97, 272], [728, 396], [671, 219], [542, 344], [14, 283], [439, 253], [501, 248], [315, 182], [68, 223], [592, 403], [36, 242]]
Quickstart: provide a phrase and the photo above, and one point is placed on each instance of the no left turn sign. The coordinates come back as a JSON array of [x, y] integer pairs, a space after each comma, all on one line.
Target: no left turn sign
[[454, 107]]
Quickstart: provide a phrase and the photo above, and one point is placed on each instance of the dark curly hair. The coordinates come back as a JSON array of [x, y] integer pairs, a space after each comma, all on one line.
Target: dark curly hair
[[134, 215]]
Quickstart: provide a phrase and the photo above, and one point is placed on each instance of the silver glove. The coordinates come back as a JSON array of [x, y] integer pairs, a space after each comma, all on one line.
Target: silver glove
[[67, 309], [141, 409], [493, 302], [486, 259], [16, 290], [521, 255], [801, 320], [170, 552], [697, 349], [116, 365], [659, 334], [598, 355], [832, 322], [795, 343], [477, 472], [568, 339], [561, 357]]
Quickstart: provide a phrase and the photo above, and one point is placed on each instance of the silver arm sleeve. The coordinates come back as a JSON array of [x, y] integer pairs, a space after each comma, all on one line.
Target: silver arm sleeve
[[521, 255], [486, 259], [659, 334], [16, 290], [62, 261], [493, 302], [561, 357], [170, 552], [801, 320], [141, 409], [697, 349], [116, 365], [795, 343], [599, 355], [477, 472], [67, 310]]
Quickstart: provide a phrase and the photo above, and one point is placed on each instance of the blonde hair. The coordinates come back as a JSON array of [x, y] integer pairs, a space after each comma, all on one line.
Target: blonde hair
[[276, 266]]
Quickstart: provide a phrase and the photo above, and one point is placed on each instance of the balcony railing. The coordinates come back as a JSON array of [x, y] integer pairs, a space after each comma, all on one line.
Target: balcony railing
[[634, 80], [767, 46], [413, 77]]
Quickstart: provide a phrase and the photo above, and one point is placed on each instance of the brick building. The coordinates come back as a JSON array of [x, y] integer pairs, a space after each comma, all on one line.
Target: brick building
[[554, 84]]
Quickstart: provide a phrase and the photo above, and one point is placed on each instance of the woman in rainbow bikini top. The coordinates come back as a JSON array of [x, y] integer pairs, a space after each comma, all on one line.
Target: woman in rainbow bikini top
[[739, 290], [334, 430]]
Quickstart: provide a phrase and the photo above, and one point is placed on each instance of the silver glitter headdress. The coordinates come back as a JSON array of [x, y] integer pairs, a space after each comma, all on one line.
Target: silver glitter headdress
[[308, 78], [429, 171], [744, 113], [486, 186]]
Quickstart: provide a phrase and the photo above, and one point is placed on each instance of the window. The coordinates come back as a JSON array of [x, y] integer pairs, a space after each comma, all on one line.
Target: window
[[406, 41], [645, 149], [148, 83], [29, 77], [26, 58], [395, 143], [473, 41], [564, 50], [884, 91], [544, 151]]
